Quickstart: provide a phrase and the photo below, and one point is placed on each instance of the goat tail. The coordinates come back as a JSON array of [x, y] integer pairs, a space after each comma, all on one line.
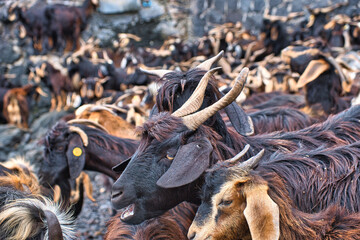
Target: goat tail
[[33, 218]]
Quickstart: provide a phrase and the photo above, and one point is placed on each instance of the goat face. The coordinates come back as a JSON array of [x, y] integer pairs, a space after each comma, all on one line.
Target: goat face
[[235, 205], [163, 172], [174, 152], [63, 149]]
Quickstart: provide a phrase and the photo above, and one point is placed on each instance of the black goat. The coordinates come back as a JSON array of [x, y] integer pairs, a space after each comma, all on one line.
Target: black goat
[[175, 151], [72, 148]]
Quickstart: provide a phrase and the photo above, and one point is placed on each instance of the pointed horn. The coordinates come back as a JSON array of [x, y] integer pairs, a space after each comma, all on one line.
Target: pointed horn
[[338, 68], [251, 162], [122, 110], [82, 134], [196, 99], [238, 156], [87, 122], [208, 63], [106, 57], [157, 73], [194, 120]]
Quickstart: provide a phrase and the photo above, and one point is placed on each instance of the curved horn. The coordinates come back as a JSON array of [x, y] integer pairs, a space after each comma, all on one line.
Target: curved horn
[[338, 68], [207, 64], [239, 155], [87, 122], [251, 162], [82, 134], [157, 73], [54, 228], [122, 110], [194, 120], [196, 99]]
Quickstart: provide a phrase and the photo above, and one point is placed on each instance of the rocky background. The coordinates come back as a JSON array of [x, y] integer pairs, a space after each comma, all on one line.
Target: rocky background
[[206, 14]]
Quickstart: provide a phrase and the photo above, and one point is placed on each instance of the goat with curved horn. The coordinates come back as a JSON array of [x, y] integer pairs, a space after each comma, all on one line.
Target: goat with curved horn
[[196, 99], [194, 120], [81, 133], [206, 65]]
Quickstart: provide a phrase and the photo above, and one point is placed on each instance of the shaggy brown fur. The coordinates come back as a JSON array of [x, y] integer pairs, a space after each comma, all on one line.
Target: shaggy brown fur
[[283, 119], [173, 224], [20, 177]]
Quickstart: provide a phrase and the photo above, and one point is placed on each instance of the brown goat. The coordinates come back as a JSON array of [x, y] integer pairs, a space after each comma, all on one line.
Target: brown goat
[[106, 117], [247, 206], [20, 176], [171, 225], [24, 214], [16, 105]]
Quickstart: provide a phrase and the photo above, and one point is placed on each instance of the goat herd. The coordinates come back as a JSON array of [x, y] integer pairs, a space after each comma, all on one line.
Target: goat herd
[[267, 149]]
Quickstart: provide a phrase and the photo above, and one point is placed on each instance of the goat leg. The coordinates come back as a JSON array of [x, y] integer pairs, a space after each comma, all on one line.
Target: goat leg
[[53, 102]]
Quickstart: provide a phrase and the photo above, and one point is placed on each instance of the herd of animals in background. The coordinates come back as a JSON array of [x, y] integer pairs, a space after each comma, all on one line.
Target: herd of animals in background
[[266, 149]]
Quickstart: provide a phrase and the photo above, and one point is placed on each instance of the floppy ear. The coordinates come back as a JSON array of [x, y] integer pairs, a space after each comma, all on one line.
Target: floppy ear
[[239, 119], [75, 156], [190, 162], [99, 90], [313, 70], [261, 213]]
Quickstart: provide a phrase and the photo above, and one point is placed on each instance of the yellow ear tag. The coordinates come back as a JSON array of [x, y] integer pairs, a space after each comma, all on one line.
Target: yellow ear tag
[[77, 152]]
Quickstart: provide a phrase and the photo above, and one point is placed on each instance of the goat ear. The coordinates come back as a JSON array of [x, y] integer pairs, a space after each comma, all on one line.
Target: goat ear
[[239, 119], [99, 90], [313, 70], [75, 156], [261, 213], [190, 162], [119, 168]]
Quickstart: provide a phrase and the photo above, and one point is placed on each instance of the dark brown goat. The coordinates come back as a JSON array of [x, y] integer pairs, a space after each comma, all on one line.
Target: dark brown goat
[[35, 23], [259, 197], [173, 224], [175, 152], [15, 104], [65, 22], [60, 85]]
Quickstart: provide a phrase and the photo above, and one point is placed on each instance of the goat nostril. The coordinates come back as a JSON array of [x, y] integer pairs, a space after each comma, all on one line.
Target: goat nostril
[[117, 193], [192, 236]]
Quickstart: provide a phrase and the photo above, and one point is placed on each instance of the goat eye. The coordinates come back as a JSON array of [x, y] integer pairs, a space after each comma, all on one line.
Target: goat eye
[[225, 202], [169, 157]]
